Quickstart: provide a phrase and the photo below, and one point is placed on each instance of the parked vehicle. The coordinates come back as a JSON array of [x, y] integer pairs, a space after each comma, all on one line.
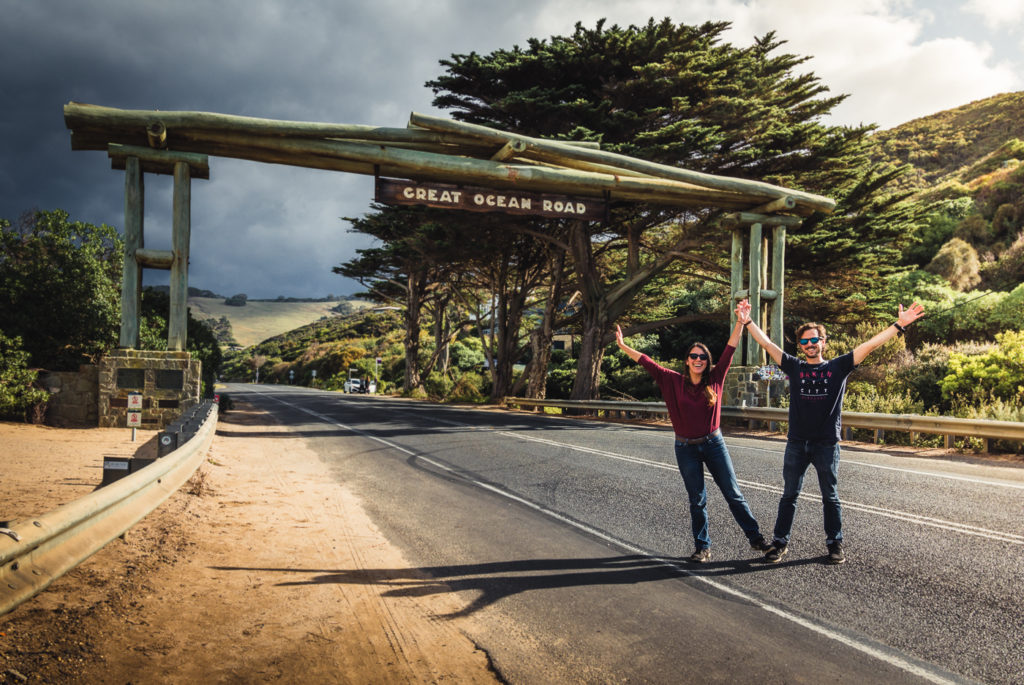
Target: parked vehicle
[[353, 385]]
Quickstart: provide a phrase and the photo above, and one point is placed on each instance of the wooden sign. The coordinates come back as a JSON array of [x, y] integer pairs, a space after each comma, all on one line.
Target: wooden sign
[[476, 199]]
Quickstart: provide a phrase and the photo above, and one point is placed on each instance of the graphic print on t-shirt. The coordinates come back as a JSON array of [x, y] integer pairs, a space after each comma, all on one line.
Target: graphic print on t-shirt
[[814, 384]]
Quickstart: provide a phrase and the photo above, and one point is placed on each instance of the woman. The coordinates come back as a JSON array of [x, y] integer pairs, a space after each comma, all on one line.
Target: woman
[[694, 401]]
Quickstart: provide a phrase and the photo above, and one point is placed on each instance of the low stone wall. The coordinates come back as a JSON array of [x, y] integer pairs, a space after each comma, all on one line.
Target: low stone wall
[[743, 386], [73, 396], [169, 383]]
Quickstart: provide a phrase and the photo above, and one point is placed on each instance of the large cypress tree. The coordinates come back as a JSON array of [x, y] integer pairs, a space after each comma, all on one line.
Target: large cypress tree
[[678, 95]]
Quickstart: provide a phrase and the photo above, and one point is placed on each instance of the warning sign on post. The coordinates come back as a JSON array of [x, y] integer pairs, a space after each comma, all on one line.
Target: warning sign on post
[[134, 419], [134, 401]]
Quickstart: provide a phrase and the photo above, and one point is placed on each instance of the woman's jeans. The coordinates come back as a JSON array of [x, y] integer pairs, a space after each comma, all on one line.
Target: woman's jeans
[[714, 455], [824, 456]]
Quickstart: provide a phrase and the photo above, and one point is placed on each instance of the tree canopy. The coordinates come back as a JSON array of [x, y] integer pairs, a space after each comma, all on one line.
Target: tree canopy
[[60, 288]]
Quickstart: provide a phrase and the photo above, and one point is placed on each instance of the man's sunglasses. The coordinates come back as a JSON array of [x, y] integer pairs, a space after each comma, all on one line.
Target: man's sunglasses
[[702, 357], [813, 341]]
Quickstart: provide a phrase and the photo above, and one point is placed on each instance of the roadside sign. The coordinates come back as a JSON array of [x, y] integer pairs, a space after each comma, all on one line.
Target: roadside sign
[[134, 401], [134, 419]]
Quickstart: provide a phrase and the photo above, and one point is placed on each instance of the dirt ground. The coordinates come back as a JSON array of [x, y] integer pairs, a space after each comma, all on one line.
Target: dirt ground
[[232, 580]]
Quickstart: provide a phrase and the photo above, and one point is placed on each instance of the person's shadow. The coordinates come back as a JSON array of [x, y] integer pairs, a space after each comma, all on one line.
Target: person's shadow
[[494, 581]]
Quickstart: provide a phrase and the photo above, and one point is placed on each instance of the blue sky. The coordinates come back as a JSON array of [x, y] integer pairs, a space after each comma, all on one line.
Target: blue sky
[[269, 230]]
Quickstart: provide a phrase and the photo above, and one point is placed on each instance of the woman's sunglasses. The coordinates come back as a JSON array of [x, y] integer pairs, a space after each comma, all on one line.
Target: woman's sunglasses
[[813, 341], [702, 357]]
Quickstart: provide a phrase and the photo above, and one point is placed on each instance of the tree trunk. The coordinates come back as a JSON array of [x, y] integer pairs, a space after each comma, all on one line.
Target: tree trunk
[[412, 380], [540, 337], [587, 385]]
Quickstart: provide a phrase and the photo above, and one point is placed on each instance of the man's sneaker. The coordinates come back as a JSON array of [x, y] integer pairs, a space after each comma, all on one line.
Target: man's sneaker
[[835, 553], [759, 544], [700, 556], [775, 553]]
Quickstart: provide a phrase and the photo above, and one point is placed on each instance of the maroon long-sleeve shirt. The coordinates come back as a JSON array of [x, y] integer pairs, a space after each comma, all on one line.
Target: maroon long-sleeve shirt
[[687, 404]]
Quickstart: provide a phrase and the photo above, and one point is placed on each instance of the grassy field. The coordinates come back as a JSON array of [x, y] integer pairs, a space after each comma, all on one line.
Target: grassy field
[[257, 321]]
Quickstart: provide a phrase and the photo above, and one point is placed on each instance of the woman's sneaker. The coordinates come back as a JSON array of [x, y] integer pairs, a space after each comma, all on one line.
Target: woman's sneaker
[[835, 553], [776, 553], [700, 556]]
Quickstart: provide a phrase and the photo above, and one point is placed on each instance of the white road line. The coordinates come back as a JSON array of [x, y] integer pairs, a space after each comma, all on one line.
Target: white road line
[[932, 474], [824, 631], [967, 529]]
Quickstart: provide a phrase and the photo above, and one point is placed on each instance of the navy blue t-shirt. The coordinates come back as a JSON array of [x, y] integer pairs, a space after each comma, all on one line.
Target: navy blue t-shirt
[[816, 394]]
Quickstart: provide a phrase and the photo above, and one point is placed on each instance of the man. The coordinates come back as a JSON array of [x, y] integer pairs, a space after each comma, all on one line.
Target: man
[[816, 390]]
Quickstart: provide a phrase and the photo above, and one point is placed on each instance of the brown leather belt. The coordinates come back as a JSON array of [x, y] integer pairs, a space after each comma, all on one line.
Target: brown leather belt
[[697, 441]]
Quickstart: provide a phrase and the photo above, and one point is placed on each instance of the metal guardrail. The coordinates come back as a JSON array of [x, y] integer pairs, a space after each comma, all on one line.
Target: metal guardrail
[[985, 429], [35, 552]]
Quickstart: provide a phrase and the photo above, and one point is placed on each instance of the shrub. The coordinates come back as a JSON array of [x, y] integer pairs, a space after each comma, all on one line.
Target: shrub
[[924, 373], [19, 398], [958, 263], [996, 374], [468, 388]]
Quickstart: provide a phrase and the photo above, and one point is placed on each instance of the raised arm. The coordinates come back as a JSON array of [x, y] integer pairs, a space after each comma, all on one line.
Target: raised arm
[[630, 352], [743, 319], [904, 318], [737, 330]]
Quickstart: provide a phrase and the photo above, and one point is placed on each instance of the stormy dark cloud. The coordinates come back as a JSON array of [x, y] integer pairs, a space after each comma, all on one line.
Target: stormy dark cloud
[[269, 230]]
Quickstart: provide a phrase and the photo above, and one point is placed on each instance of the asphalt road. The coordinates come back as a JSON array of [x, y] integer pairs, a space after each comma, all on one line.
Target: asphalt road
[[567, 541]]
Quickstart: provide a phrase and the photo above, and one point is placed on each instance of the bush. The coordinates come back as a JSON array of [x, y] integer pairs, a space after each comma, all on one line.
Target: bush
[[19, 398], [958, 263], [996, 374], [468, 388], [922, 376]]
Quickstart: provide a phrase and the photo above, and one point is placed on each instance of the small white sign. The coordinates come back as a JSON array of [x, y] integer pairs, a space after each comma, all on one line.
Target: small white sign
[[134, 419], [134, 400]]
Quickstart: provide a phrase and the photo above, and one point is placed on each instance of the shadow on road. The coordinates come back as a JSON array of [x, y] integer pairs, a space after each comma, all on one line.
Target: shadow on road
[[494, 581]]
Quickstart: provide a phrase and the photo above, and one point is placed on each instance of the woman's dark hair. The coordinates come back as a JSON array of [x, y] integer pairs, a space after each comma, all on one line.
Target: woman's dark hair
[[708, 392]]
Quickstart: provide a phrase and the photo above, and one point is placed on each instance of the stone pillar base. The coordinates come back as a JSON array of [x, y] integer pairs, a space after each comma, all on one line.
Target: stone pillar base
[[744, 386], [169, 383]]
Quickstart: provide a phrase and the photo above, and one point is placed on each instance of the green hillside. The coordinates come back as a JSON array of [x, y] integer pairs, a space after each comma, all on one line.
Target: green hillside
[[957, 144], [257, 321]]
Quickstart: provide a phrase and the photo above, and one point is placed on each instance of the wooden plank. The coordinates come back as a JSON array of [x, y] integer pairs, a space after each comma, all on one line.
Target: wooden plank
[[477, 199]]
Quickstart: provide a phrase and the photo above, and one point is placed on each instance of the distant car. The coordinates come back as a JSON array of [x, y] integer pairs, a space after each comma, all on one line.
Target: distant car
[[353, 385]]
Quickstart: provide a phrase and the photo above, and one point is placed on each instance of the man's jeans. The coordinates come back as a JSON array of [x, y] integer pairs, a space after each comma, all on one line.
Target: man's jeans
[[825, 457], [713, 454]]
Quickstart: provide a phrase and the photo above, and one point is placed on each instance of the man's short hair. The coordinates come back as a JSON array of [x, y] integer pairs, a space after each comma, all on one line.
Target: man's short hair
[[808, 326]]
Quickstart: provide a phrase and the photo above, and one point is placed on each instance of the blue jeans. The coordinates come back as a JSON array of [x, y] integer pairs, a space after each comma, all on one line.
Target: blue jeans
[[714, 455], [825, 457]]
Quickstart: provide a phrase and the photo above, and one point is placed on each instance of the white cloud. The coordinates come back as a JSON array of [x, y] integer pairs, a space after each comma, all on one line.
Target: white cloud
[[997, 14]]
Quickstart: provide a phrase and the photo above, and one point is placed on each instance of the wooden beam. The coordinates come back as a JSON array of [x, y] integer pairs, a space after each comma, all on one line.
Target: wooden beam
[[155, 259], [752, 188], [158, 161], [755, 352], [763, 219], [131, 282], [177, 322]]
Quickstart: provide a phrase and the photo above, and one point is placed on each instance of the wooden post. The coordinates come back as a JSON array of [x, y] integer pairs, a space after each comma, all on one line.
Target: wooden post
[[736, 284], [778, 283], [177, 324], [754, 352], [131, 282]]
